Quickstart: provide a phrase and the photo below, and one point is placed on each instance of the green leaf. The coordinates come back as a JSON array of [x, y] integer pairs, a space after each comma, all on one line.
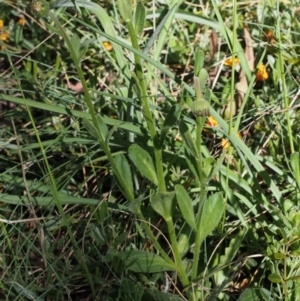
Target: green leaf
[[144, 262], [75, 41], [208, 166], [192, 163], [164, 204], [203, 77], [187, 137], [267, 296], [212, 212], [185, 239], [125, 9], [143, 162], [199, 61], [279, 256], [296, 167], [91, 128], [151, 294], [250, 294], [275, 278], [102, 126], [185, 205], [125, 171], [140, 17], [171, 119]]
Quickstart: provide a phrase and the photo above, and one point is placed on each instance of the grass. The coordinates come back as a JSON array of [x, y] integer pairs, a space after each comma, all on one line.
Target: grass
[[137, 162]]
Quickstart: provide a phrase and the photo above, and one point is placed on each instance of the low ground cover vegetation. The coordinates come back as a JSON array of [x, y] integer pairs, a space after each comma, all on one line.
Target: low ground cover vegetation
[[149, 150]]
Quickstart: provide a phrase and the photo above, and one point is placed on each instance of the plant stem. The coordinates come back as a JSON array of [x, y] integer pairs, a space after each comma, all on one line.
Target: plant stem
[[146, 109], [199, 126], [89, 103], [181, 272], [284, 89], [101, 140]]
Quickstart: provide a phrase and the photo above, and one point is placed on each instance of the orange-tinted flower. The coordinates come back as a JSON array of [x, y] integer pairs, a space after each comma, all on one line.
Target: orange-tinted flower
[[107, 46], [4, 36], [226, 144], [211, 121], [1, 24], [228, 62], [262, 73], [22, 21], [270, 37]]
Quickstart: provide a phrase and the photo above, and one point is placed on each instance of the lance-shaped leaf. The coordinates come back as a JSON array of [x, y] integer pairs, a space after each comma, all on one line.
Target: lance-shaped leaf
[[187, 137], [211, 214], [164, 204], [140, 17], [296, 167], [144, 262], [125, 171], [170, 120], [186, 206], [143, 162]]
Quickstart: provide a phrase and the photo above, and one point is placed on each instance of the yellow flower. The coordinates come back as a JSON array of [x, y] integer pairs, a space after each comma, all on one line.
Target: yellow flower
[[1, 24], [22, 21], [211, 121], [4, 36], [107, 46], [226, 144], [228, 62], [262, 73]]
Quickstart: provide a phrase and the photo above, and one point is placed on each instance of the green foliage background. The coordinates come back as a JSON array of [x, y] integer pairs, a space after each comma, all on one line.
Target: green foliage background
[[114, 186]]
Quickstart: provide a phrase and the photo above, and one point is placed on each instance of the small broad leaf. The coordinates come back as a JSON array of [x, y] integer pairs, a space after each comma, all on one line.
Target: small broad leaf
[[203, 77], [185, 205], [102, 126], [170, 120], [267, 295], [187, 137], [212, 212], [125, 9], [91, 128], [199, 61], [75, 41], [164, 204], [125, 171], [143, 162], [279, 256], [250, 294], [144, 262], [208, 166], [192, 163], [296, 167], [275, 278], [186, 238], [140, 17], [110, 133]]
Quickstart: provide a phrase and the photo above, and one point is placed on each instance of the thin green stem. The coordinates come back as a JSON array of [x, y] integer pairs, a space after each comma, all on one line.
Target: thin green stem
[[284, 90], [198, 240], [153, 238], [181, 272], [89, 103], [104, 146], [146, 109]]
